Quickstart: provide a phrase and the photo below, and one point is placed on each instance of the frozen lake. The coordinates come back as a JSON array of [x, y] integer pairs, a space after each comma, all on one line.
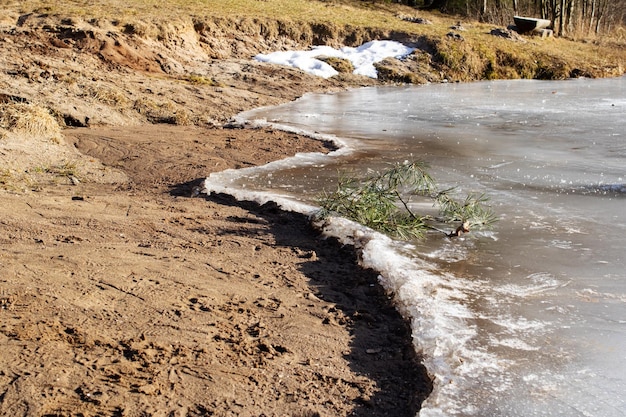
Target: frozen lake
[[526, 319]]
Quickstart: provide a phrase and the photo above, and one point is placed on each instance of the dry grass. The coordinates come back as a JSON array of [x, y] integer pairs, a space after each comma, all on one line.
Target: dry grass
[[338, 64], [163, 112], [29, 119], [107, 95], [197, 79], [355, 13], [479, 56], [6, 176], [484, 56], [64, 170]]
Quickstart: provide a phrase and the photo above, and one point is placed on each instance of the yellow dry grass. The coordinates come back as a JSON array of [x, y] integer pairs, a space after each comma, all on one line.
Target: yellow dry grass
[[29, 119], [479, 56], [349, 12]]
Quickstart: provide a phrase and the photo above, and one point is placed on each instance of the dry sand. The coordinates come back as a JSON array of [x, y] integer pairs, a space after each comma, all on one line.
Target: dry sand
[[135, 299], [121, 295]]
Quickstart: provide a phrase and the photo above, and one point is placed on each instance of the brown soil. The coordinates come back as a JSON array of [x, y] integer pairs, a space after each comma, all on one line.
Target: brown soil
[[120, 295]]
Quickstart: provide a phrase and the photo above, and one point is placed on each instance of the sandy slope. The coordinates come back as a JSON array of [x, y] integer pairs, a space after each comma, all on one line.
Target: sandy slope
[[120, 295]]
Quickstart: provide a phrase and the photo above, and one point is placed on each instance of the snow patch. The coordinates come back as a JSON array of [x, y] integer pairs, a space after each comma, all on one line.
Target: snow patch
[[362, 58]]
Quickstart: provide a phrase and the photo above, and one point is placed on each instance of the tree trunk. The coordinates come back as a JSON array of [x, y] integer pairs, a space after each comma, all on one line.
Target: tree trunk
[[543, 9], [592, 16], [562, 18], [570, 17]]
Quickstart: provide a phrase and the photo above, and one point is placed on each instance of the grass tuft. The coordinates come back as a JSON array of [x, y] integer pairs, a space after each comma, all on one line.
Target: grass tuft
[[107, 95], [29, 119], [340, 65], [65, 170], [197, 79], [6, 176], [163, 112]]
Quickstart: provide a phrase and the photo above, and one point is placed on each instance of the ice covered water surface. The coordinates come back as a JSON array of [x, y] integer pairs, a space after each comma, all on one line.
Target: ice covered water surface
[[527, 319]]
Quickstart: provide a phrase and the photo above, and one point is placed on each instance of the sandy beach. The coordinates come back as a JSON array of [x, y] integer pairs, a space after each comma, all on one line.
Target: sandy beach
[[137, 299], [122, 293]]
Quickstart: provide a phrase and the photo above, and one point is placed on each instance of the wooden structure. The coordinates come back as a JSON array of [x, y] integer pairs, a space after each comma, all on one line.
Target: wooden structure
[[530, 24]]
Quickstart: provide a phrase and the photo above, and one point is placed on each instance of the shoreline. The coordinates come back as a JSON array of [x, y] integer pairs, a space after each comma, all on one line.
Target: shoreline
[[121, 295], [134, 297]]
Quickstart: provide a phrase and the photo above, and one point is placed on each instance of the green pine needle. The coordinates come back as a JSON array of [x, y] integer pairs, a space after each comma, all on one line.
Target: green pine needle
[[381, 201]]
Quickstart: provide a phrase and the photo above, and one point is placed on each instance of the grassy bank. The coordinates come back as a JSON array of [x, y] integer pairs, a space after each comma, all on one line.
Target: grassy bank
[[474, 54], [89, 63]]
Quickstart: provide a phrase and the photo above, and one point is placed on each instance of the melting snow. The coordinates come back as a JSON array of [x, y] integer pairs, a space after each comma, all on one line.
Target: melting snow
[[363, 57]]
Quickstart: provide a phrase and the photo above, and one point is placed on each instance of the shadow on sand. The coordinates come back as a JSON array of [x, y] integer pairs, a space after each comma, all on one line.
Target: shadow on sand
[[381, 347]]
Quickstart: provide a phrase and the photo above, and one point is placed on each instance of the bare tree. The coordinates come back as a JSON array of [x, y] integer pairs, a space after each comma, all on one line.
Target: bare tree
[[569, 17]]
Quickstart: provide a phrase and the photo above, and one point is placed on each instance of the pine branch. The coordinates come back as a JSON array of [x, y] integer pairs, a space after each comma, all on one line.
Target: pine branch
[[378, 202]]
